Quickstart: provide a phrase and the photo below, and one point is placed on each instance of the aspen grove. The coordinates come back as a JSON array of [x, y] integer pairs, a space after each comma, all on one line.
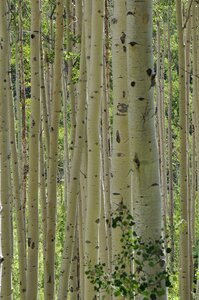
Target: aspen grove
[[99, 149]]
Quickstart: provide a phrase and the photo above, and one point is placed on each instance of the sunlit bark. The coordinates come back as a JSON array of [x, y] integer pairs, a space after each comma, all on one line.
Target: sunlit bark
[[184, 245], [53, 155], [145, 161], [6, 289]]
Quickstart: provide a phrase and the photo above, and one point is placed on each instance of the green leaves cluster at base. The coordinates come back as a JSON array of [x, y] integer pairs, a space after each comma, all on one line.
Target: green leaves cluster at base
[[139, 269]]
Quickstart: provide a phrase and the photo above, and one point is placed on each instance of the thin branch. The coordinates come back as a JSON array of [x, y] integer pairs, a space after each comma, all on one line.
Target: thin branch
[[188, 14]]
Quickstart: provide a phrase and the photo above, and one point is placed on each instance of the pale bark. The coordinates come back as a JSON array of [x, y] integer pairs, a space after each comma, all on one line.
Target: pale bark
[[195, 115], [6, 289], [161, 123], [145, 160], [103, 241], [33, 182], [73, 188], [187, 91], [74, 274], [66, 150], [120, 191], [53, 156], [87, 21], [105, 198], [48, 83], [17, 196], [43, 202], [170, 146], [95, 89], [81, 247], [82, 211], [23, 150], [44, 112], [184, 239], [18, 106], [70, 84]]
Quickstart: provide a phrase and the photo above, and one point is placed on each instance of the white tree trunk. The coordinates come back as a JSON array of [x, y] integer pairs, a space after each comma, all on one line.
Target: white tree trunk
[[184, 238], [53, 157], [6, 291], [33, 228], [147, 206], [95, 92], [120, 162]]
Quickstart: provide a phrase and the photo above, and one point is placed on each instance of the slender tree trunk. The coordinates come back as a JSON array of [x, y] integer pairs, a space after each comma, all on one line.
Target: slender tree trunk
[[87, 22], [43, 203], [161, 123], [33, 183], [17, 196], [71, 90], [24, 166], [6, 289], [66, 150], [53, 156], [73, 189], [184, 238], [187, 90], [95, 89], [44, 112], [170, 145], [195, 116]]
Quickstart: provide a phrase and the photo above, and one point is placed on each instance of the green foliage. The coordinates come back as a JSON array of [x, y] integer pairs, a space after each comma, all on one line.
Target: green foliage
[[133, 268]]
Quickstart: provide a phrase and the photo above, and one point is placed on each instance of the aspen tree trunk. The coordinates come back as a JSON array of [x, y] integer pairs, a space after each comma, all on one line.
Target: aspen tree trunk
[[120, 161], [53, 156], [48, 80], [81, 247], [193, 188], [24, 166], [44, 113], [103, 241], [145, 161], [195, 115], [16, 194], [18, 106], [187, 90], [87, 21], [66, 151], [69, 22], [106, 134], [33, 183], [170, 145], [43, 203], [73, 189], [78, 27], [95, 88], [195, 126], [83, 210], [161, 128], [106, 205], [6, 290], [184, 239], [71, 47], [74, 274]]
